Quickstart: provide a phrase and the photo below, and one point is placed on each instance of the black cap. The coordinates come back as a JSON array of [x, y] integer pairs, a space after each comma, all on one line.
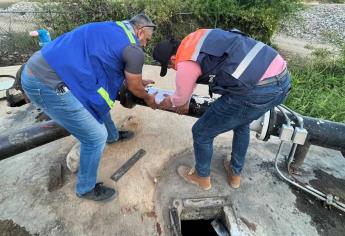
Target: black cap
[[163, 51]]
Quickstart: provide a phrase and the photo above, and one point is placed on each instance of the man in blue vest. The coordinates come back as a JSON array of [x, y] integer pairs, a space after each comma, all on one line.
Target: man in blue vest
[[75, 80], [251, 77]]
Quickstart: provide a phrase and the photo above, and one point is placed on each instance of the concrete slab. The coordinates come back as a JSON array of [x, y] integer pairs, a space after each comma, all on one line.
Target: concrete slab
[[146, 190]]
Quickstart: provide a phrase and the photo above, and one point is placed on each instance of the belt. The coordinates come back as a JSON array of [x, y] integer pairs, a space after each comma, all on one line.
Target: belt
[[273, 78]]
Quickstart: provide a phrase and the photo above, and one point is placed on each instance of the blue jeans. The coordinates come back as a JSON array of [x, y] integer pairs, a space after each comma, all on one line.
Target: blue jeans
[[68, 112], [113, 133], [234, 112]]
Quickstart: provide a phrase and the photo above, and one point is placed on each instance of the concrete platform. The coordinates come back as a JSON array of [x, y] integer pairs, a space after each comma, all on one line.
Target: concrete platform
[[264, 205]]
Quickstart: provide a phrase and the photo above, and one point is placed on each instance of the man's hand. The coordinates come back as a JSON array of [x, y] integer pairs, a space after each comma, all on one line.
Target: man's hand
[[147, 82], [166, 104], [135, 85], [183, 109], [150, 101]]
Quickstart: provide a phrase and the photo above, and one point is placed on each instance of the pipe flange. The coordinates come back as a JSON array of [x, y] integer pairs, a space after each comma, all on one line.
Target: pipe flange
[[271, 125], [265, 124]]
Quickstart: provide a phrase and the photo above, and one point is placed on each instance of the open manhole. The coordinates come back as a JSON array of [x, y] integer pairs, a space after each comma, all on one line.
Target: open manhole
[[200, 216], [197, 227]]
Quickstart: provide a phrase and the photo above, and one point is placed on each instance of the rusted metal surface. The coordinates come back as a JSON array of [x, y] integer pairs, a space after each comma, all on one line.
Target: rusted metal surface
[[320, 132], [25, 139]]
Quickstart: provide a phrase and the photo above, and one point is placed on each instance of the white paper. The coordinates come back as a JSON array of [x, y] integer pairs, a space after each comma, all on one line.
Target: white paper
[[160, 95]]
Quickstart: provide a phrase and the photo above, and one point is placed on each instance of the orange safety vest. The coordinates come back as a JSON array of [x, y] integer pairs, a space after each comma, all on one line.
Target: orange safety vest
[[231, 62], [190, 46]]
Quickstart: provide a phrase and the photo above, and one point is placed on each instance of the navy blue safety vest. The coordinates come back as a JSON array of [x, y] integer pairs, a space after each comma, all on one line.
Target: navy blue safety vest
[[89, 61], [230, 61]]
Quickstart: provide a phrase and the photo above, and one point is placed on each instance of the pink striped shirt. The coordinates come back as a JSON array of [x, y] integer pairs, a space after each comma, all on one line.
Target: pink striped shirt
[[189, 71]]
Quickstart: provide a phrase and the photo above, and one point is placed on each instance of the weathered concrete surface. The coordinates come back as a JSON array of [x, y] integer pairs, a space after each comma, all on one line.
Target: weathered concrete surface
[[146, 189], [263, 199]]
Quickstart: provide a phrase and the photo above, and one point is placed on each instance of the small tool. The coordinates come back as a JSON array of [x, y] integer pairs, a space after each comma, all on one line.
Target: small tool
[[128, 164]]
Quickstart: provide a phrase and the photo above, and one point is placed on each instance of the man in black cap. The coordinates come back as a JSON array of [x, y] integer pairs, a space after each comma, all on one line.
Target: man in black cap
[[251, 77]]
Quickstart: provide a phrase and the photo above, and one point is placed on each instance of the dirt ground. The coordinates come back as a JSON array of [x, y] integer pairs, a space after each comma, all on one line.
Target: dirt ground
[[264, 205], [330, 221], [8, 228], [291, 47]]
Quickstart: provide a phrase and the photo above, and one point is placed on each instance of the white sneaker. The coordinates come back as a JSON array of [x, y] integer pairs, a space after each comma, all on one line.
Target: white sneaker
[[73, 157]]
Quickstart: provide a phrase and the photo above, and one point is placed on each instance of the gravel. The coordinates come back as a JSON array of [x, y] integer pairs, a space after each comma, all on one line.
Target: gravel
[[323, 23], [22, 6], [20, 13]]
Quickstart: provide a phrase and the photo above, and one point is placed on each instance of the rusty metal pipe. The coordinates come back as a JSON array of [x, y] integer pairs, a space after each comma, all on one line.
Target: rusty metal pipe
[[321, 132], [25, 139]]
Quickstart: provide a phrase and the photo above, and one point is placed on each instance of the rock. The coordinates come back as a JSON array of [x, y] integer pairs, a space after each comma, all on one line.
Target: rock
[[73, 157]]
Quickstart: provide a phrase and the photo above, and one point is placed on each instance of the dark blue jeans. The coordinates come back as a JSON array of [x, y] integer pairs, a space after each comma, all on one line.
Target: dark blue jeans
[[234, 112], [68, 112]]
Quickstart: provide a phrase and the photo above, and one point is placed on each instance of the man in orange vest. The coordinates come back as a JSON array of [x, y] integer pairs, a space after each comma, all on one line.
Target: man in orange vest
[[251, 78]]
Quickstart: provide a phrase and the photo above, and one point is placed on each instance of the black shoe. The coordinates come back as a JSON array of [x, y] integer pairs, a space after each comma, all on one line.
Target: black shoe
[[124, 135], [99, 193]]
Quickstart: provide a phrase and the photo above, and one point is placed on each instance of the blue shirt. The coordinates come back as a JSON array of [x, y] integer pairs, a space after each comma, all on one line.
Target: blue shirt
[[89, 58]]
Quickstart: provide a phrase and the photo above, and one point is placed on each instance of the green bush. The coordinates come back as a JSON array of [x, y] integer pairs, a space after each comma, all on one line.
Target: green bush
[[319, 86], [16, 47], [175, 18], [328, 1], [68, 14], [257, 18], [18, 41]]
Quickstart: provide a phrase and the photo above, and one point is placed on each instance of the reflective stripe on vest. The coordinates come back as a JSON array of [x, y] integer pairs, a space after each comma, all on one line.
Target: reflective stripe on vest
[[101, 90], [190, 46], [198, 46], [129, 33], [105, 96], [247, 60]]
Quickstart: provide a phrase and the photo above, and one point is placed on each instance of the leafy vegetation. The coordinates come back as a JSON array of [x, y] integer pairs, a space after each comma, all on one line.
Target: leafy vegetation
[[257, 18], [327, 1], [16, 47], [175, 18], [319, 86]]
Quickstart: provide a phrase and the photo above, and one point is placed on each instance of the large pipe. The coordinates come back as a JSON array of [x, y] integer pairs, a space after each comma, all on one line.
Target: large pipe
[[25, 139], [320, 132], [198, 104], [28, 138]]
